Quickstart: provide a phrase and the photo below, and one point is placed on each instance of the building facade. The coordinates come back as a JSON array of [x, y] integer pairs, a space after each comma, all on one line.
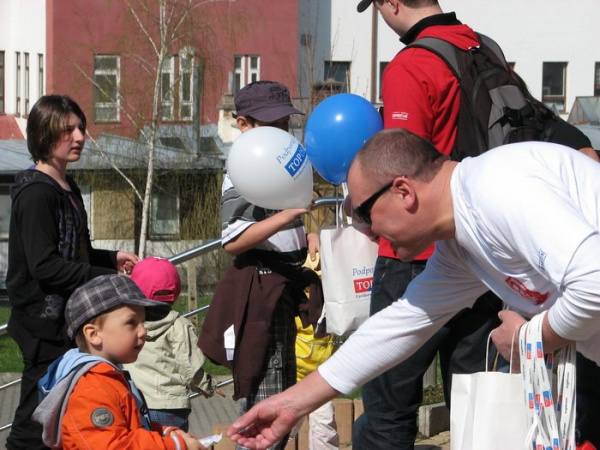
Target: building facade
[[112, 61], [551, 43]]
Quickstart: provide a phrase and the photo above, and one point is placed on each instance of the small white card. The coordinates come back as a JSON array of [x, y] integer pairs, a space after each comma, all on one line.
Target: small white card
[[229, 340]]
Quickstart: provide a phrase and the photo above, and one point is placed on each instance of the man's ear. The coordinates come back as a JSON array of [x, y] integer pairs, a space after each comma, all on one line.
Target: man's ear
[[405, 189], [91, 334]]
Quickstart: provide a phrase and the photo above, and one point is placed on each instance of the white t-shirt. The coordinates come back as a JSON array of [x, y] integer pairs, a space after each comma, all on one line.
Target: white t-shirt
[[238, 214], [527, 217]]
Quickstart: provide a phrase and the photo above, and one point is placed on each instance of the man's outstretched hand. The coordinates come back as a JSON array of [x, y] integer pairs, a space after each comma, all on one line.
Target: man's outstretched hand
[[264, 425], [272, 419]]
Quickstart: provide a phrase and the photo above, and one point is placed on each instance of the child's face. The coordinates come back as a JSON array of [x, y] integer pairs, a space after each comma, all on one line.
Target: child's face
[[123, 334]]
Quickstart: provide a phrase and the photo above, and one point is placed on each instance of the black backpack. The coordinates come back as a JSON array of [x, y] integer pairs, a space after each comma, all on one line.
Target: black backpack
[[495, 107]]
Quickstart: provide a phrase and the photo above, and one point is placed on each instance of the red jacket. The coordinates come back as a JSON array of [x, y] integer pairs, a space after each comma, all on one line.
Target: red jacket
[[102, 414], [420, 93]]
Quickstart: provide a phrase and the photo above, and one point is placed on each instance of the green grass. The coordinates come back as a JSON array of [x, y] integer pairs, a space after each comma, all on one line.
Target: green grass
[[10, 355], [12, 361]]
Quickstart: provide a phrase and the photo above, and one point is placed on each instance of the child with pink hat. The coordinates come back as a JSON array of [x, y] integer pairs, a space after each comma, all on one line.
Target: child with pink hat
[[170, 364]]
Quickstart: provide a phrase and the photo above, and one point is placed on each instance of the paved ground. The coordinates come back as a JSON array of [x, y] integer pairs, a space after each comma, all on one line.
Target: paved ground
[[205, 414]]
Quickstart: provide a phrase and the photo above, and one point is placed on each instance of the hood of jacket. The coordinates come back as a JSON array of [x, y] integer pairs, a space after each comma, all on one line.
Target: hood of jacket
[[62, 367], [157, 328], [56, 387], [31, 176]]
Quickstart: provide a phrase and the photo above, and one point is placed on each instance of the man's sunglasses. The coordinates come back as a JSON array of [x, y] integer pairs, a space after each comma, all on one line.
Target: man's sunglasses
[[363, 211]]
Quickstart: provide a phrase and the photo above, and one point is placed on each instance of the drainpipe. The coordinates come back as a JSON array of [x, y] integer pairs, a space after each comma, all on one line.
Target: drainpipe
[[374, 23]]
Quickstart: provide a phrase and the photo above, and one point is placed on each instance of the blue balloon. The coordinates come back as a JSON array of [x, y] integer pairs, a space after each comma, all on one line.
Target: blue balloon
[[337, 128]]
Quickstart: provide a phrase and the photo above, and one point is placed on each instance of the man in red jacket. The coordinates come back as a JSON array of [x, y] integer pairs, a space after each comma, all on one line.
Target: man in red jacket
[[422, 95]]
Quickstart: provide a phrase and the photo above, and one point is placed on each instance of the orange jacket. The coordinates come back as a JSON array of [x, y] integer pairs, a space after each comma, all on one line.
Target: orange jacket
[[102, 414]]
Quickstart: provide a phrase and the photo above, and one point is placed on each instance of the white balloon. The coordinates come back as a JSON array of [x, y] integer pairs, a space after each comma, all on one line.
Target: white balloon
[[270, 169]]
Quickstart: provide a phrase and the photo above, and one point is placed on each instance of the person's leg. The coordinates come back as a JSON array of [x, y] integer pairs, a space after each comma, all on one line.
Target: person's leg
[[37, 354], [279, 370], [464, 349], [588, 400], [391, 400], [171, 417]]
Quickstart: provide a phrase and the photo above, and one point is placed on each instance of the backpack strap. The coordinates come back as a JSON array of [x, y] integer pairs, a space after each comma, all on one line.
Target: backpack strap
[[443, 49], [494, 47], [447, 52]]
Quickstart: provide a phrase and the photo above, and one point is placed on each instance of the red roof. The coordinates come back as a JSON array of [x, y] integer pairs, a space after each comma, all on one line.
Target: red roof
[[9, 128]]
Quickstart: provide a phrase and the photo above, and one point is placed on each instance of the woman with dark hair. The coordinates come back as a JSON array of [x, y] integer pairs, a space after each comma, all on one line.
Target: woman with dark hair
[[50, 253]]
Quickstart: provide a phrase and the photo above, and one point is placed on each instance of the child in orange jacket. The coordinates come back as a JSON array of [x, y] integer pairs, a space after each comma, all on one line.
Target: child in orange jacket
[[88, 400]]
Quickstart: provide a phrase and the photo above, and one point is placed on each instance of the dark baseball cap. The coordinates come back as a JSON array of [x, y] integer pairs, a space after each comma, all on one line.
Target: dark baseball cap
[[266, 101], [106, 292], [363, 4]]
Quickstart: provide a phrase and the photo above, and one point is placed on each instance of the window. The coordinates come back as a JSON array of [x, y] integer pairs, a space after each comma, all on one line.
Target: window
[[164, 214], [2, 107], [246, 70], [106, 88], [382, 66], [167, 84], [177, 86], [18, 83], [554, 85], [339, 71], [597, 80], [26, 83], [4, 210], [40, 75], [186, 83]]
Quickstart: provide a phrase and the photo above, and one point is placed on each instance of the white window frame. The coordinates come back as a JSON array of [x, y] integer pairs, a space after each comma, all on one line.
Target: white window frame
[[162, 202], [347, 65], [18, 83], [597, 79], [113, 107], [167, 83], [40, 75], [26, 75], [553, 99], [186, 83], [246, 70], [2, 81]]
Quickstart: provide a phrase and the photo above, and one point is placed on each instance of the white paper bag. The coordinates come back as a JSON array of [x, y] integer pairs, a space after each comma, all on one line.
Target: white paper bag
[[488, 412], [347, 263]]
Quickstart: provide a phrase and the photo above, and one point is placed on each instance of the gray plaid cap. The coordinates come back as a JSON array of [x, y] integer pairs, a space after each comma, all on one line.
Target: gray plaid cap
[[106, 292]]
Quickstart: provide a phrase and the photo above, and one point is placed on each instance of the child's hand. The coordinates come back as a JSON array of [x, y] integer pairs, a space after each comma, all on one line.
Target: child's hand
[[191, 442], [220, 393], [126, 261], [292, 214]]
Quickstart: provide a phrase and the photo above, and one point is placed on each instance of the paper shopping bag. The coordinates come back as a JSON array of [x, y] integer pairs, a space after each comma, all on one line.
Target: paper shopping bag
[[347, 262], [488, 412]]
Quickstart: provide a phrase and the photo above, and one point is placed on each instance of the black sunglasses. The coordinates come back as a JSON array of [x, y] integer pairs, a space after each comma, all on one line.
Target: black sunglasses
[[363, 211]]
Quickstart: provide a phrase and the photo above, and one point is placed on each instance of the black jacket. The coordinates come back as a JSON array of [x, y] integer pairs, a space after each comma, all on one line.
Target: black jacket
[[49, 252]]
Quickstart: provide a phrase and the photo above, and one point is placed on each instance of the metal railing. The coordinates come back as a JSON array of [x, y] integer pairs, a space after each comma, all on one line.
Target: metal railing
[[179, 259]]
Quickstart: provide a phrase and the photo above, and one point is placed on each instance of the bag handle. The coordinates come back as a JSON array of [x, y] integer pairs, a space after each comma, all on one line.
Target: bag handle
[[487, 352]]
